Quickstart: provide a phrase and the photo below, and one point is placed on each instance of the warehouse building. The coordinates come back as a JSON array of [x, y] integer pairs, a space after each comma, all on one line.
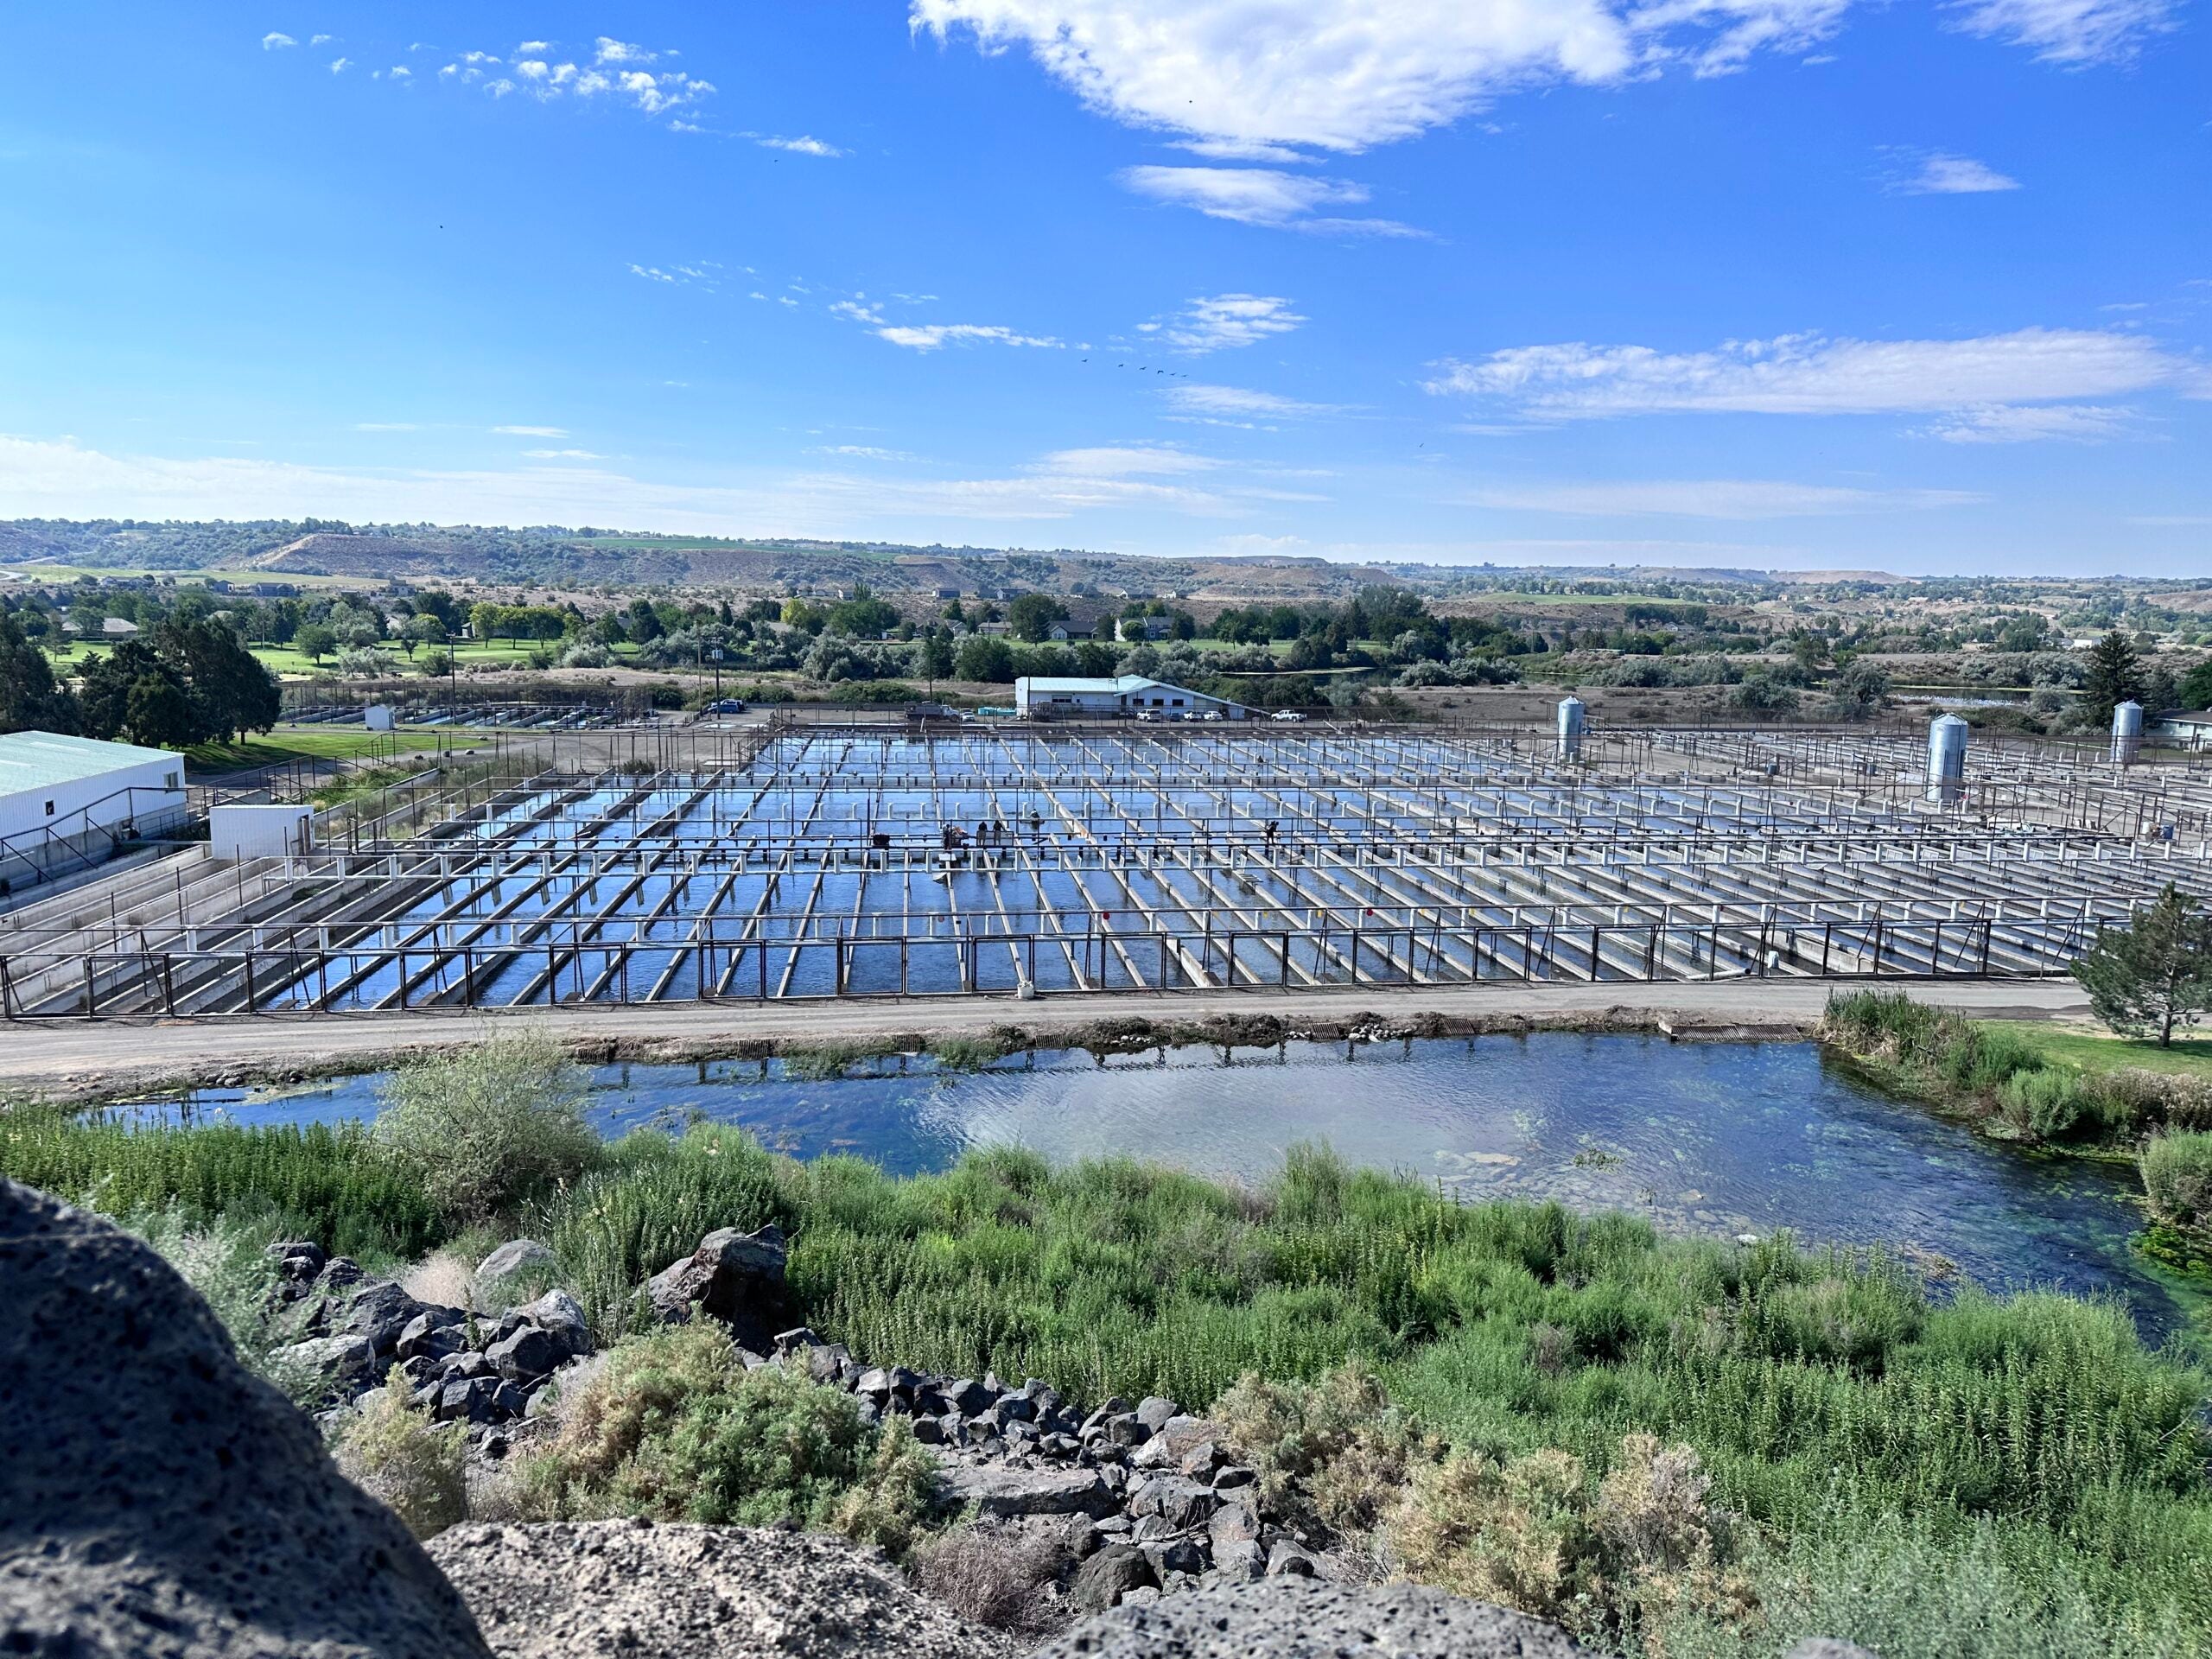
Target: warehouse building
[[1119, 697], [69, 801]]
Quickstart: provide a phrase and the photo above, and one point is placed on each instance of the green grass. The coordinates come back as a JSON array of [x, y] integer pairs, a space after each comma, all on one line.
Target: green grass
[[285, 744], [1835, 1405], [2087, 1051]]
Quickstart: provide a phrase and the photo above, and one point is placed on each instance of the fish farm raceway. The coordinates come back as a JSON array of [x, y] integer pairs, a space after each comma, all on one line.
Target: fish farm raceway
[[793, 861]]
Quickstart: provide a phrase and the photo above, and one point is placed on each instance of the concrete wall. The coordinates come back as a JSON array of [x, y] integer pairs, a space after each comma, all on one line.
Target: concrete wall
[[242, 832]]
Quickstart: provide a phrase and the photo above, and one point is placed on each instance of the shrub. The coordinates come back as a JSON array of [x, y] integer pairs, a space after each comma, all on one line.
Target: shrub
[[1001, 1579], [2041, 1105], [226, 1262], [1335, 1449], [2177, 1177], [391, 1450], [484, 1129], [674, 1427]]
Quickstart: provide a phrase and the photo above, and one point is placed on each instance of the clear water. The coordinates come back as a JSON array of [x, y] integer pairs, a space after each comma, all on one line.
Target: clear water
[[1717, 1138]]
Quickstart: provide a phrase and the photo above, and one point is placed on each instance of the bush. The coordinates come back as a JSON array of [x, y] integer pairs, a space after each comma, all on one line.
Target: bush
[[1336, 1449], [1001, 1579], [2041, 1105], [2177, 1177], [391, 1450], [674, 1427], [484, 1129], [227, 1263]]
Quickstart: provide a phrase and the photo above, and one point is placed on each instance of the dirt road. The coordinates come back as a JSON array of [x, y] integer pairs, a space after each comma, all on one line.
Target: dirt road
[[76, 1057]]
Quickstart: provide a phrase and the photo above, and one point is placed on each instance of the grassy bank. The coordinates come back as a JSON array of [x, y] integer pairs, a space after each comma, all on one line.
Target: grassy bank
[[2028, 1456]]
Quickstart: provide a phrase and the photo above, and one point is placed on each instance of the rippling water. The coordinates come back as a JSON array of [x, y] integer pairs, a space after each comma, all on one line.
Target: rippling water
[[1701, 1138]]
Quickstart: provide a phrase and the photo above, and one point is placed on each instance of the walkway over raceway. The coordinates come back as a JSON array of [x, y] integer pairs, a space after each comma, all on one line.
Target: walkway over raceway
[[858, 862]]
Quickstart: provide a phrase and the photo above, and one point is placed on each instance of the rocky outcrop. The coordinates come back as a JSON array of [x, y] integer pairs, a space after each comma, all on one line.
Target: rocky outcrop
[[490, 1373], [1301, 1619], [158, 1500], [735, 1277], [574, 1590]]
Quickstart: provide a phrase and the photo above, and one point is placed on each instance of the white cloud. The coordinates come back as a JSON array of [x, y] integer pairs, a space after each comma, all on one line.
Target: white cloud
[[1235, 404], [860, 452], [532, 431], [401, 71], [276, 38], [798, 146], [319, 38], [562, 454], [2012, 423], [527, 48], [1807, 374], [1740, 498], [614, 51], [1124, 461], [2076, 33], [1222, 320], [1249, 77], [652, 273], [1264, 196], [338, 66], [928, 337], [1954, 175]]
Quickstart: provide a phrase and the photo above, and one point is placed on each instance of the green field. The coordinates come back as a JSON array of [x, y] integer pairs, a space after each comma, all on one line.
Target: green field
[[2089, 1051], [289, 743]]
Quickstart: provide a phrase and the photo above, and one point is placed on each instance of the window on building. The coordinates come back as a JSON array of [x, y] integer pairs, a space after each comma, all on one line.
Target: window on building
[[49, 809]]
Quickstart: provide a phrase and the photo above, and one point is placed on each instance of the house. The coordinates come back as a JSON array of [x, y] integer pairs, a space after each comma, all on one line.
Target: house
[[2192, 732], [116, 627], [993, 630], [67, 801], [1145, 627], [1123, 696]]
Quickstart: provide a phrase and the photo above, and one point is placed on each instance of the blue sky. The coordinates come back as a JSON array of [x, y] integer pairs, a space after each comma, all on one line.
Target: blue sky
[[1801, 283]]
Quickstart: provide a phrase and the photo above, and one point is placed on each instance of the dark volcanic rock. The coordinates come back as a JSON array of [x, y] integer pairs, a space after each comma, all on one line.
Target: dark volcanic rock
[[158, 1502], [1301, 1619], [1108, 1575], [736, 1277]]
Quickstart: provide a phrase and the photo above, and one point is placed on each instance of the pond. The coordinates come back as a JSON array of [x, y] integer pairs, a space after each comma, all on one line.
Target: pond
[[1715, 1139]]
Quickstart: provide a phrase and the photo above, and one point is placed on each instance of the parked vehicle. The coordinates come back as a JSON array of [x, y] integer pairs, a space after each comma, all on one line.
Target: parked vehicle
[[1287, 714]]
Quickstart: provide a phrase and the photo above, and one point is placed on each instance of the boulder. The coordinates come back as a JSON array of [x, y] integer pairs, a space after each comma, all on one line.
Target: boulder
[[177, 1507], [1288, 1560], [1110, 1573], [343, 1365], [526, 1356], [998, 1491], [1154, 1411], [735, 1277], [517, 1255], [1304, 1619], [580, 1590], [1179, 1501], [379, 1313]]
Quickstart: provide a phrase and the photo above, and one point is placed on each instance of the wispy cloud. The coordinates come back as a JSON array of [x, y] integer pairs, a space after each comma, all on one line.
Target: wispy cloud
[[929, 337], [1809, 374], [801, 145], [1934, 174], [613, 71], [532, 431], [1221, 321], [2074, 33], [1738, 498], [276, 40], [2019, 423], [1263, 196], [562, 454], [1237, 406], [860, 452]]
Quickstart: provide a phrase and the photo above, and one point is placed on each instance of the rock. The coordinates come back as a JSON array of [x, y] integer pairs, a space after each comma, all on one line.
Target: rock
[[1154, 1411], [1200, 1461], [800, 1336], [1173, 1556], [737, 1278], [1108, 1576], [875, 1383], [558, 1314], [1179, 1501], [430, 1336], [517, 1255], [1241, 1560], [343, 1364], [1127, 1430], [1288, 1560], [526, 1356], [181, 1507], [1303, 1618], [1234, 1522], [584, 1589], [997, 1490], [967, 1397], [379, 1314], [1234, 1477]]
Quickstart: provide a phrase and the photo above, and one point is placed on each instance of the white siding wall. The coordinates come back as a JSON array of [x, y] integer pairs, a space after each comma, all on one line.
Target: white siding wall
[[26, 809]]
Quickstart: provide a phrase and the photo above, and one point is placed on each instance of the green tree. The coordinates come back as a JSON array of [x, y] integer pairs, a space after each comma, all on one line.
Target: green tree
[[29, 699], [104, 688], [984, 658], [314, 642], [2115, 675], [231, 693], [158, 714], [2154, 974], [421, 629], [1031, 617], [2195, 692], [936, 654]]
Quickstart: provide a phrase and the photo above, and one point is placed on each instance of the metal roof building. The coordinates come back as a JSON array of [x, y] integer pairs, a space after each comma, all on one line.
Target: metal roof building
[[1123, 695], [70, 801]]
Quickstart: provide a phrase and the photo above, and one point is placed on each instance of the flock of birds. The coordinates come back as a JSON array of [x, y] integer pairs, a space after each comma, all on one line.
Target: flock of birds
[[1144, 368]]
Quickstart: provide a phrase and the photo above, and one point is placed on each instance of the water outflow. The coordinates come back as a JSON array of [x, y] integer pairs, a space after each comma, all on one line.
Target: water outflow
[[2126, 733], [1947, 759], [1570, 728]]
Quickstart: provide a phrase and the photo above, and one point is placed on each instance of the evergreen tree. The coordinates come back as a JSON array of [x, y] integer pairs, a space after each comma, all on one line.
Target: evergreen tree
[[2154, 974], [105, 688], [2115, 677]]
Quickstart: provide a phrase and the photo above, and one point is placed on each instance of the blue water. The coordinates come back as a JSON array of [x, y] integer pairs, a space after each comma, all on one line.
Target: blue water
[[1716, 1138]]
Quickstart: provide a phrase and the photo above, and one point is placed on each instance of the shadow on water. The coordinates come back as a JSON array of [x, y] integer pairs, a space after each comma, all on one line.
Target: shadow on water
[[1715, 1139]]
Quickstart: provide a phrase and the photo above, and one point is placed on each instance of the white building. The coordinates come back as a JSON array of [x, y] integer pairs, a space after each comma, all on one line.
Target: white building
[[2188, 731], [1123, 696], [66, 801]]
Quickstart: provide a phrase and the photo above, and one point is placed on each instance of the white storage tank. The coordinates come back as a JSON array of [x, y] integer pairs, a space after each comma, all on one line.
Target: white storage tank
[[2126, 733], [1947, 759], [1571, 724]]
